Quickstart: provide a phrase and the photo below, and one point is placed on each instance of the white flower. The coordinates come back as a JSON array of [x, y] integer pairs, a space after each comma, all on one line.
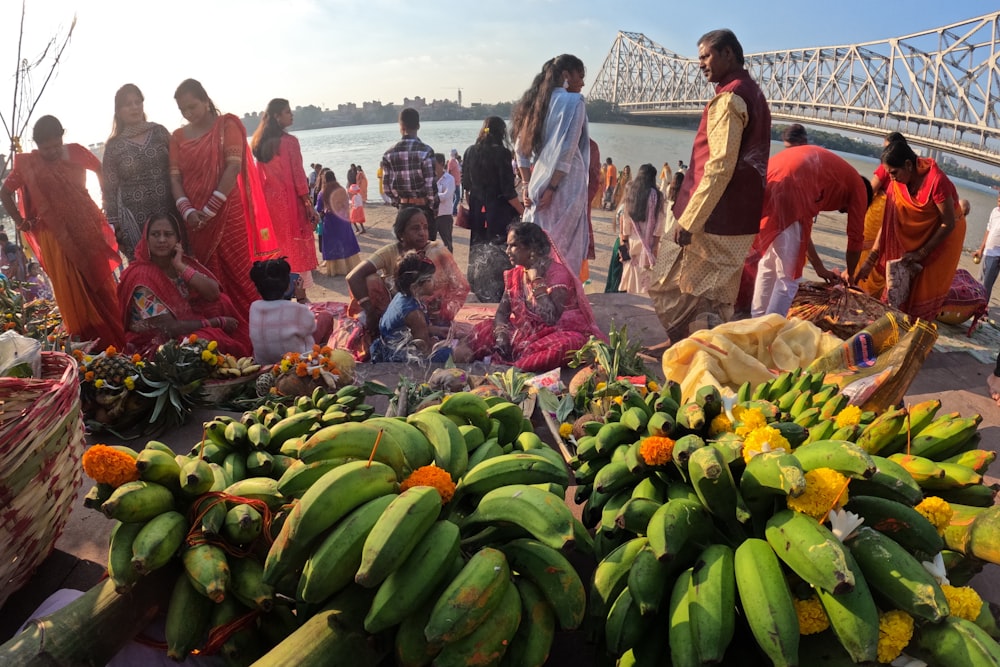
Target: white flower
[[844, 523], [937, 569], [907, 661], [728, 401]]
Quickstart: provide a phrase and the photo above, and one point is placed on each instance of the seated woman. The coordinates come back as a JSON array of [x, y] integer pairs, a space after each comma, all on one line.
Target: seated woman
[[543, 315], [371, 281], [165, 294], [405, 331], [277, 324]]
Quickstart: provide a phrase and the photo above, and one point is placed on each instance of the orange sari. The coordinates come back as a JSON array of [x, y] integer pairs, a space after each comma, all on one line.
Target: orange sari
[[72, 240], [874, 284], [909, 223], [241, 231]]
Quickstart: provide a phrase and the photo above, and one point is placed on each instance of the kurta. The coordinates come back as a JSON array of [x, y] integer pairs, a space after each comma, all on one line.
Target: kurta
[[284, 181], [566, 148]]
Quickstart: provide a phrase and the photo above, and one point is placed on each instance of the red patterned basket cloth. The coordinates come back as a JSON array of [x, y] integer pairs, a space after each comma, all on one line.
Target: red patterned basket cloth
[[41, 443]]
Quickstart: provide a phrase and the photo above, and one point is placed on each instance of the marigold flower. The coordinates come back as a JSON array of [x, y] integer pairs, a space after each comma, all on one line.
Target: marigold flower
[[823, 485], [99, 383], [657, 450], [316, 348], [136, 358], [431, 475], [285, 365], [565, 430], [812, 616], [601, 386], [720, 424], [762, 439], [213, 345], [895, 629], [653, 385], [89, 376], [294, 357], [618, 399], [107, 465], [749, 419], [849, 416], [937, 511], [192, 339], [315, 373], [207, 356], [111, 351], [130, 383], [963, 602], [78, 355], [9, 325], [326, 349], [301, 370]]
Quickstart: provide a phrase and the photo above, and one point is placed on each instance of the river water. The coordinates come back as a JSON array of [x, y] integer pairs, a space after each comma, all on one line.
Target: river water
[[339, 147]]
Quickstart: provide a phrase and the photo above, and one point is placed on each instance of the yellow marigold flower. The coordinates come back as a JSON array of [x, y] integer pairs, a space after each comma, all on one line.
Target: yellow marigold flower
[[111, 351], [823, 485], [431, 475], [213, 345], [762, 439], [285, 365], [657, 450], [618, 399], [99, 383], [207, 356], [601, 386], [937, 511], [653, 385], [963, 602], [107, 465], [895, 629], [849, 416], [749, 420], [565, 430], [812, 617], [130, 383], [720, 424]]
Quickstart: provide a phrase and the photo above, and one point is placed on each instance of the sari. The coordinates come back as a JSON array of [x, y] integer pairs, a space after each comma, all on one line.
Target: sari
[[909, 223], [284, 185], [146, 291], [72, 239], [535, 345], [637, 272], [241, 231]]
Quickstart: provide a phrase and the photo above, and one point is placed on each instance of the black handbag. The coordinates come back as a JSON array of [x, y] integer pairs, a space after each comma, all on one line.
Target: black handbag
[[623, 252]]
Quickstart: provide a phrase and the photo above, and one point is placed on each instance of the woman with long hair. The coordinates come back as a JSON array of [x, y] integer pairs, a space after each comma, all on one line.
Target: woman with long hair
[[218, 194], [67, 231], [136, 167], [488, 183], [924, 228], [640, 230], [165, 294], [339, 244], [286, 188], [552, 142]]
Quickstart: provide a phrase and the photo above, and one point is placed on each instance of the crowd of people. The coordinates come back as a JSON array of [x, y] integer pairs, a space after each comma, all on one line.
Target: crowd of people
[[218, 232]]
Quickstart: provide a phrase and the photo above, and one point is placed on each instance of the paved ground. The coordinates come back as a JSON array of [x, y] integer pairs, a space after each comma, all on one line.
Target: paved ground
[[956, 377]]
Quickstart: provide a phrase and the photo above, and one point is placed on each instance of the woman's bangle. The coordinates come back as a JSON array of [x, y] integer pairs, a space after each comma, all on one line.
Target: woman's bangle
[[215, 204], [184, 207], [207, 324], [188, 273], [363, 300]]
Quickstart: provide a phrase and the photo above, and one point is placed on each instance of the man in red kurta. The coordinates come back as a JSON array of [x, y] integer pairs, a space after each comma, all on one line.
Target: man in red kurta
[[801, 182]]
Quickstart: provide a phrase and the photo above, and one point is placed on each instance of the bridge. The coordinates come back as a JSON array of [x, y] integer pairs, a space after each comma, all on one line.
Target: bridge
[[940, 87]]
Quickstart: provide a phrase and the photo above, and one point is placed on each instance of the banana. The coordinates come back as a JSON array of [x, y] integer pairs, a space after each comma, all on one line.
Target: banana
[[410, 647], [611, 577], [634, 515], [157, 541], [511, 418], [614, 477], [772, 473], [853, 616], [651, 489], [196, 477], [543, 515], [235, 434], [329, 499], [611, 435], [246, 583], [417, 451], [713, 482], [553, 574], [690, 418], [410, 586], [135, 502], [795, 434], [684, 447], [901, 522], [780, 385], [353, 440], [635, 418], [920, 417], [450, 452], [890, 481], [188, 616], [648, 580], [259, 437], [264, 489], [487, 450], [260, 464], [468, 406], [713, 602], [956, 641], [680, 529], [881, 433], [920, 468], [488, 642], [532, 642], [586, 448], [157, 466], [514, 468], [292, 427], [473, 437], [767, 601], [120, 569], [235, 465], [811, 551], [624, 626], [396, 533], [821, 430], [840, 455], [335, 561], [942, 439], [242, 524], [807, 418], [897, 576], [801, 403], [297, 479], [610, 509], [470, 597], [683, 651], [956, 476], [159, 446], [208, 570], [977, 459], [660, 424], [977, 496]]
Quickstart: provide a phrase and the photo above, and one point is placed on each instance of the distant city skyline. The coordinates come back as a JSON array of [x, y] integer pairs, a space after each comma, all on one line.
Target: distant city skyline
[[329, 52]]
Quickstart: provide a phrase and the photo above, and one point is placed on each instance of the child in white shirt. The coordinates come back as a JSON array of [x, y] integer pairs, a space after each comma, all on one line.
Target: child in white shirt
[[278, 325]]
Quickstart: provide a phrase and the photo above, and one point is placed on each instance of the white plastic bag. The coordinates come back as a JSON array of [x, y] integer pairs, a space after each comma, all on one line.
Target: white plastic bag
[[20, 356]]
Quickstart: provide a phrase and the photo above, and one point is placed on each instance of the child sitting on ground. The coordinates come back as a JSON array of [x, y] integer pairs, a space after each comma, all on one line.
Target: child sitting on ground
[[405, 332], [277, 324], [357, 207]]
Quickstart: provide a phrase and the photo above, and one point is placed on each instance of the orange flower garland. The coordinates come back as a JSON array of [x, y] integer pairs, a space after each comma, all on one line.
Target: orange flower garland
[[107, 465], [431, 475]]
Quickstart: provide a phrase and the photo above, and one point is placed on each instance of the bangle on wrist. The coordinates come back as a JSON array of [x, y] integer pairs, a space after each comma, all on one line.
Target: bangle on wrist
[[206, 323], [363, 300], [188, 273]]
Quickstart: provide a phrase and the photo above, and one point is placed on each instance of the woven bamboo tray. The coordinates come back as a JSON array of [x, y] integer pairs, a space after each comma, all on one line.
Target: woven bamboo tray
[[41, 442], [835, 308]]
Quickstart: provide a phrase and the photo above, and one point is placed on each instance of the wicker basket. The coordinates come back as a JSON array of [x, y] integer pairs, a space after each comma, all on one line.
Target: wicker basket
[[41, 442], [221, 390]]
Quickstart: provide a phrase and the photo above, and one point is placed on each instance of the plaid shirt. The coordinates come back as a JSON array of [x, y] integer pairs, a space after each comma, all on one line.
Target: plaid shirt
[[408, 172]]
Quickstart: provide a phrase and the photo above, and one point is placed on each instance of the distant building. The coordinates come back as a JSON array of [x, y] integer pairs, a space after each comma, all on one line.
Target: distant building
[[415, 103], [371, 106], [350, 106]]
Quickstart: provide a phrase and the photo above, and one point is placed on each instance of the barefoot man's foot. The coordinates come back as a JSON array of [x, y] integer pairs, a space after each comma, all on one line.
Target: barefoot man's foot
[[993, 384]]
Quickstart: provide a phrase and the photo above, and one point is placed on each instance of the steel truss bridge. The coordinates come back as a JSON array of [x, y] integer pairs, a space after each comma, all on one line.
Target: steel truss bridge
[[940, 88]]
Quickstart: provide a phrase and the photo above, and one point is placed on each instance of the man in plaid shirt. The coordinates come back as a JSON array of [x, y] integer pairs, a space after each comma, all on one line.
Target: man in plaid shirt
[[408, 175]]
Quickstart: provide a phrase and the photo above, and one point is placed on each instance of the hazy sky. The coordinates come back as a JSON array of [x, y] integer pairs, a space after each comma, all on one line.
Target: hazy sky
[[327, 52]]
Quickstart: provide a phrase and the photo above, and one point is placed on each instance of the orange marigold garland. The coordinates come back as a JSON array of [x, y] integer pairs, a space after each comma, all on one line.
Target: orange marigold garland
[[657, 450], [434, 476], [107, 465]]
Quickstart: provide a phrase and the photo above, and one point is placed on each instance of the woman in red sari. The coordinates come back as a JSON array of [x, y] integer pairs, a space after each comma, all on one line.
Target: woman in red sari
[[543, 315], [67, 231], [924, 228], [165, 294], [218, 193], [286, 189]]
